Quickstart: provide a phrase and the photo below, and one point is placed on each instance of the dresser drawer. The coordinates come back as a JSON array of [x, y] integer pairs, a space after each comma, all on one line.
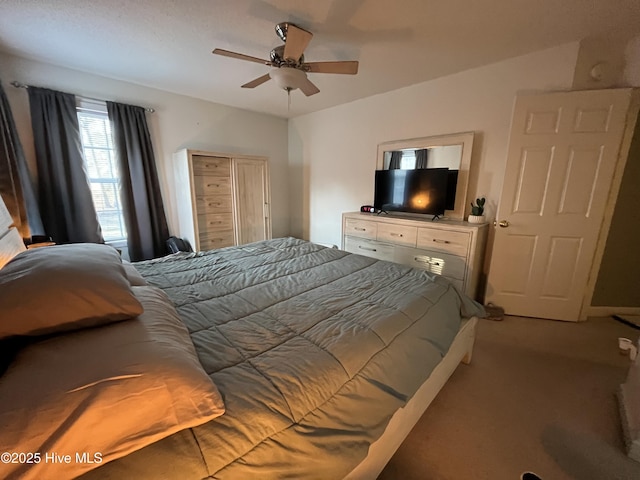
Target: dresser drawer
[[209, 241], [398, 234], [213, 203], [435, 262], [456, 243], [369, 248], [214, 222], [360, 228], [216, 166], [211, 185]]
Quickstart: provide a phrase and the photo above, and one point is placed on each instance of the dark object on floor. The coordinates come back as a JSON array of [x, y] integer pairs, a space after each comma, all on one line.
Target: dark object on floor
[[494, 312], [631, 320], [175, 245], [529, 476]]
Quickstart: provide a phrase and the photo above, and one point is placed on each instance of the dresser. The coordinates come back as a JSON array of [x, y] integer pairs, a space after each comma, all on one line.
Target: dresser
[[453, 249], [221, 200]]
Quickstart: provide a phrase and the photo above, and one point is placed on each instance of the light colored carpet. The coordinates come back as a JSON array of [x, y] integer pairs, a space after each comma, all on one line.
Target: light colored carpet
[[538, 396]]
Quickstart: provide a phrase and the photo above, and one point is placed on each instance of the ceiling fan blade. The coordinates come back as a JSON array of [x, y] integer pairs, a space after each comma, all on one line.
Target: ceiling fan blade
[[240, 56], [257, 81], [297, 41], [308, 88], [348, 68]]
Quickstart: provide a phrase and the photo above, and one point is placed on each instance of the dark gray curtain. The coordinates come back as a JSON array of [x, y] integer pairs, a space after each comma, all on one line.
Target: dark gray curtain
[[396, 158], [422, 158], [147, 230], [16, 186], [64, 194]]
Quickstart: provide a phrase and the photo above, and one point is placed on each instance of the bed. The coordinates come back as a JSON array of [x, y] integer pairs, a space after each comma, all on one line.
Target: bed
[[310, 362]]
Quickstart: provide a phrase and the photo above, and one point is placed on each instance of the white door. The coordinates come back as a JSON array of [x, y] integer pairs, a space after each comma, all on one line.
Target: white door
[[252, 210], [562, 155]]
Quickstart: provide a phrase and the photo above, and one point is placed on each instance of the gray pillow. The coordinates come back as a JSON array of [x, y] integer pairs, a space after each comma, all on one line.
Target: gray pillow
[[109, 390], [64, 287]]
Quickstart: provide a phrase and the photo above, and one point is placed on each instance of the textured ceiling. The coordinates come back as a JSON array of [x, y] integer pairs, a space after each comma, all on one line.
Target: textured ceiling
[[167, 44]]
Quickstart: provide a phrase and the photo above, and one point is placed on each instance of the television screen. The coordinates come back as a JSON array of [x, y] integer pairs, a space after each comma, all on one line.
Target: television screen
[[412, 191], [452, 185]]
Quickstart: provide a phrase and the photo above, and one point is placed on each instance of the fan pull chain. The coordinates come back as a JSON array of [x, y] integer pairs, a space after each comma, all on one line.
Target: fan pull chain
[[288, 100]]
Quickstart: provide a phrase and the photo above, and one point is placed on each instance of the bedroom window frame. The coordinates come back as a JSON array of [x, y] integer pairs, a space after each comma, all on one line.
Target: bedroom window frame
[[114, 234]]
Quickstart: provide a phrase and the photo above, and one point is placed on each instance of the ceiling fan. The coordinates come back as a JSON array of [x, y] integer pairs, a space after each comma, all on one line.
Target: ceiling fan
[[289, 70]]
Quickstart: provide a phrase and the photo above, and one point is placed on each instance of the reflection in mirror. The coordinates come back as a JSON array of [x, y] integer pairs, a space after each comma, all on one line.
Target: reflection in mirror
[[450, 151], [431, 157]]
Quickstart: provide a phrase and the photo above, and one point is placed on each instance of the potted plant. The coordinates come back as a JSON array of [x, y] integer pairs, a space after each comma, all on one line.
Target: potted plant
[[477, 211]]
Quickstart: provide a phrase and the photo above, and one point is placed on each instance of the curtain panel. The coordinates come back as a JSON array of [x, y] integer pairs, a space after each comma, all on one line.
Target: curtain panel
[[66, 205], [422, 158], [16, 185], [143, 210], [396, 158]]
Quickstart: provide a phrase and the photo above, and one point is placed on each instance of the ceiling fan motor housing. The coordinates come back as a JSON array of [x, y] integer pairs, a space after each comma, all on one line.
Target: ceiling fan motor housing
[[281, 30], [277, 58]]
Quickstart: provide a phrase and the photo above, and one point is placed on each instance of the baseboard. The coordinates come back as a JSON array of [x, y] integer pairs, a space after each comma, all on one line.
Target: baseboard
[[602, 311]]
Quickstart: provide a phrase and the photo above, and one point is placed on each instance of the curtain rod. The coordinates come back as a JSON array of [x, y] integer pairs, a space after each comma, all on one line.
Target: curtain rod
[[22, 85]]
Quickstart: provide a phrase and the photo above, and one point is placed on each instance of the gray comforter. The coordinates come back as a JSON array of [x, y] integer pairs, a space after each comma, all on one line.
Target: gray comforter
[[313, 350]]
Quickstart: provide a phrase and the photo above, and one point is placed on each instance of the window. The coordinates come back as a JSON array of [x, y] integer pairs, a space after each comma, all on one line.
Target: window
[[102, 169], [408, 161]]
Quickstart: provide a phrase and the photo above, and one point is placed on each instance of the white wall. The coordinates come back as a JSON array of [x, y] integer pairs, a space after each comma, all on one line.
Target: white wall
[[332, 153], [178, 122]]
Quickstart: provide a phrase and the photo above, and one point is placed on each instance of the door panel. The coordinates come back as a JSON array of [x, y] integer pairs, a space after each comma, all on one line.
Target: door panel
[[561, 267], [593, 120], [535, 164], [252, 201], [516, 279], [580, 180], [562, 155]]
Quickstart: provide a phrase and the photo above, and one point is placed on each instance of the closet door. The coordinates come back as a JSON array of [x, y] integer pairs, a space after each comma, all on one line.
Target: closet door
[[251, 194]]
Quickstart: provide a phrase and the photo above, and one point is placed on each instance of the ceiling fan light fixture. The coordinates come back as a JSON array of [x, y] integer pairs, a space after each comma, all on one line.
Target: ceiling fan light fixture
[[288, 78]]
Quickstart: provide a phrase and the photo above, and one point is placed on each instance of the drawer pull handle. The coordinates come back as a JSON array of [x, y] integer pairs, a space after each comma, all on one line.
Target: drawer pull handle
[[360, 229], [213, 185], [441, 241], [397, 235], [366, 248], [214, 204]]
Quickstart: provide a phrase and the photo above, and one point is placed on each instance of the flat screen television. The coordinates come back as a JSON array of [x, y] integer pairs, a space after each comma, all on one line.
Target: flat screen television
[[412, 191]]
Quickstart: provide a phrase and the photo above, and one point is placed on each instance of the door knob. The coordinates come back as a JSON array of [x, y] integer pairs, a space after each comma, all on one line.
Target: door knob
[[504, 223]]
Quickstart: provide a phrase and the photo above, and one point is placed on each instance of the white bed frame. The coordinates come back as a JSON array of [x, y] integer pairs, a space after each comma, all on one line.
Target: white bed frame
[[629, 401], [404, 419]]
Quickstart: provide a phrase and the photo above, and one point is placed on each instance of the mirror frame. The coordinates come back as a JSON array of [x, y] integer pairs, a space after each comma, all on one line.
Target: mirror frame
[[464, 138]]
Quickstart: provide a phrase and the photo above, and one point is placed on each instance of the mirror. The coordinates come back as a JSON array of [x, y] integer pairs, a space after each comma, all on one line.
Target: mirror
[[451, 151]]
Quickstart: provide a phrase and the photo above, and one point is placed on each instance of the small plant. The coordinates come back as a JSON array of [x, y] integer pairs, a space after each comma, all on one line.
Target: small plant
[[478, 208]]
